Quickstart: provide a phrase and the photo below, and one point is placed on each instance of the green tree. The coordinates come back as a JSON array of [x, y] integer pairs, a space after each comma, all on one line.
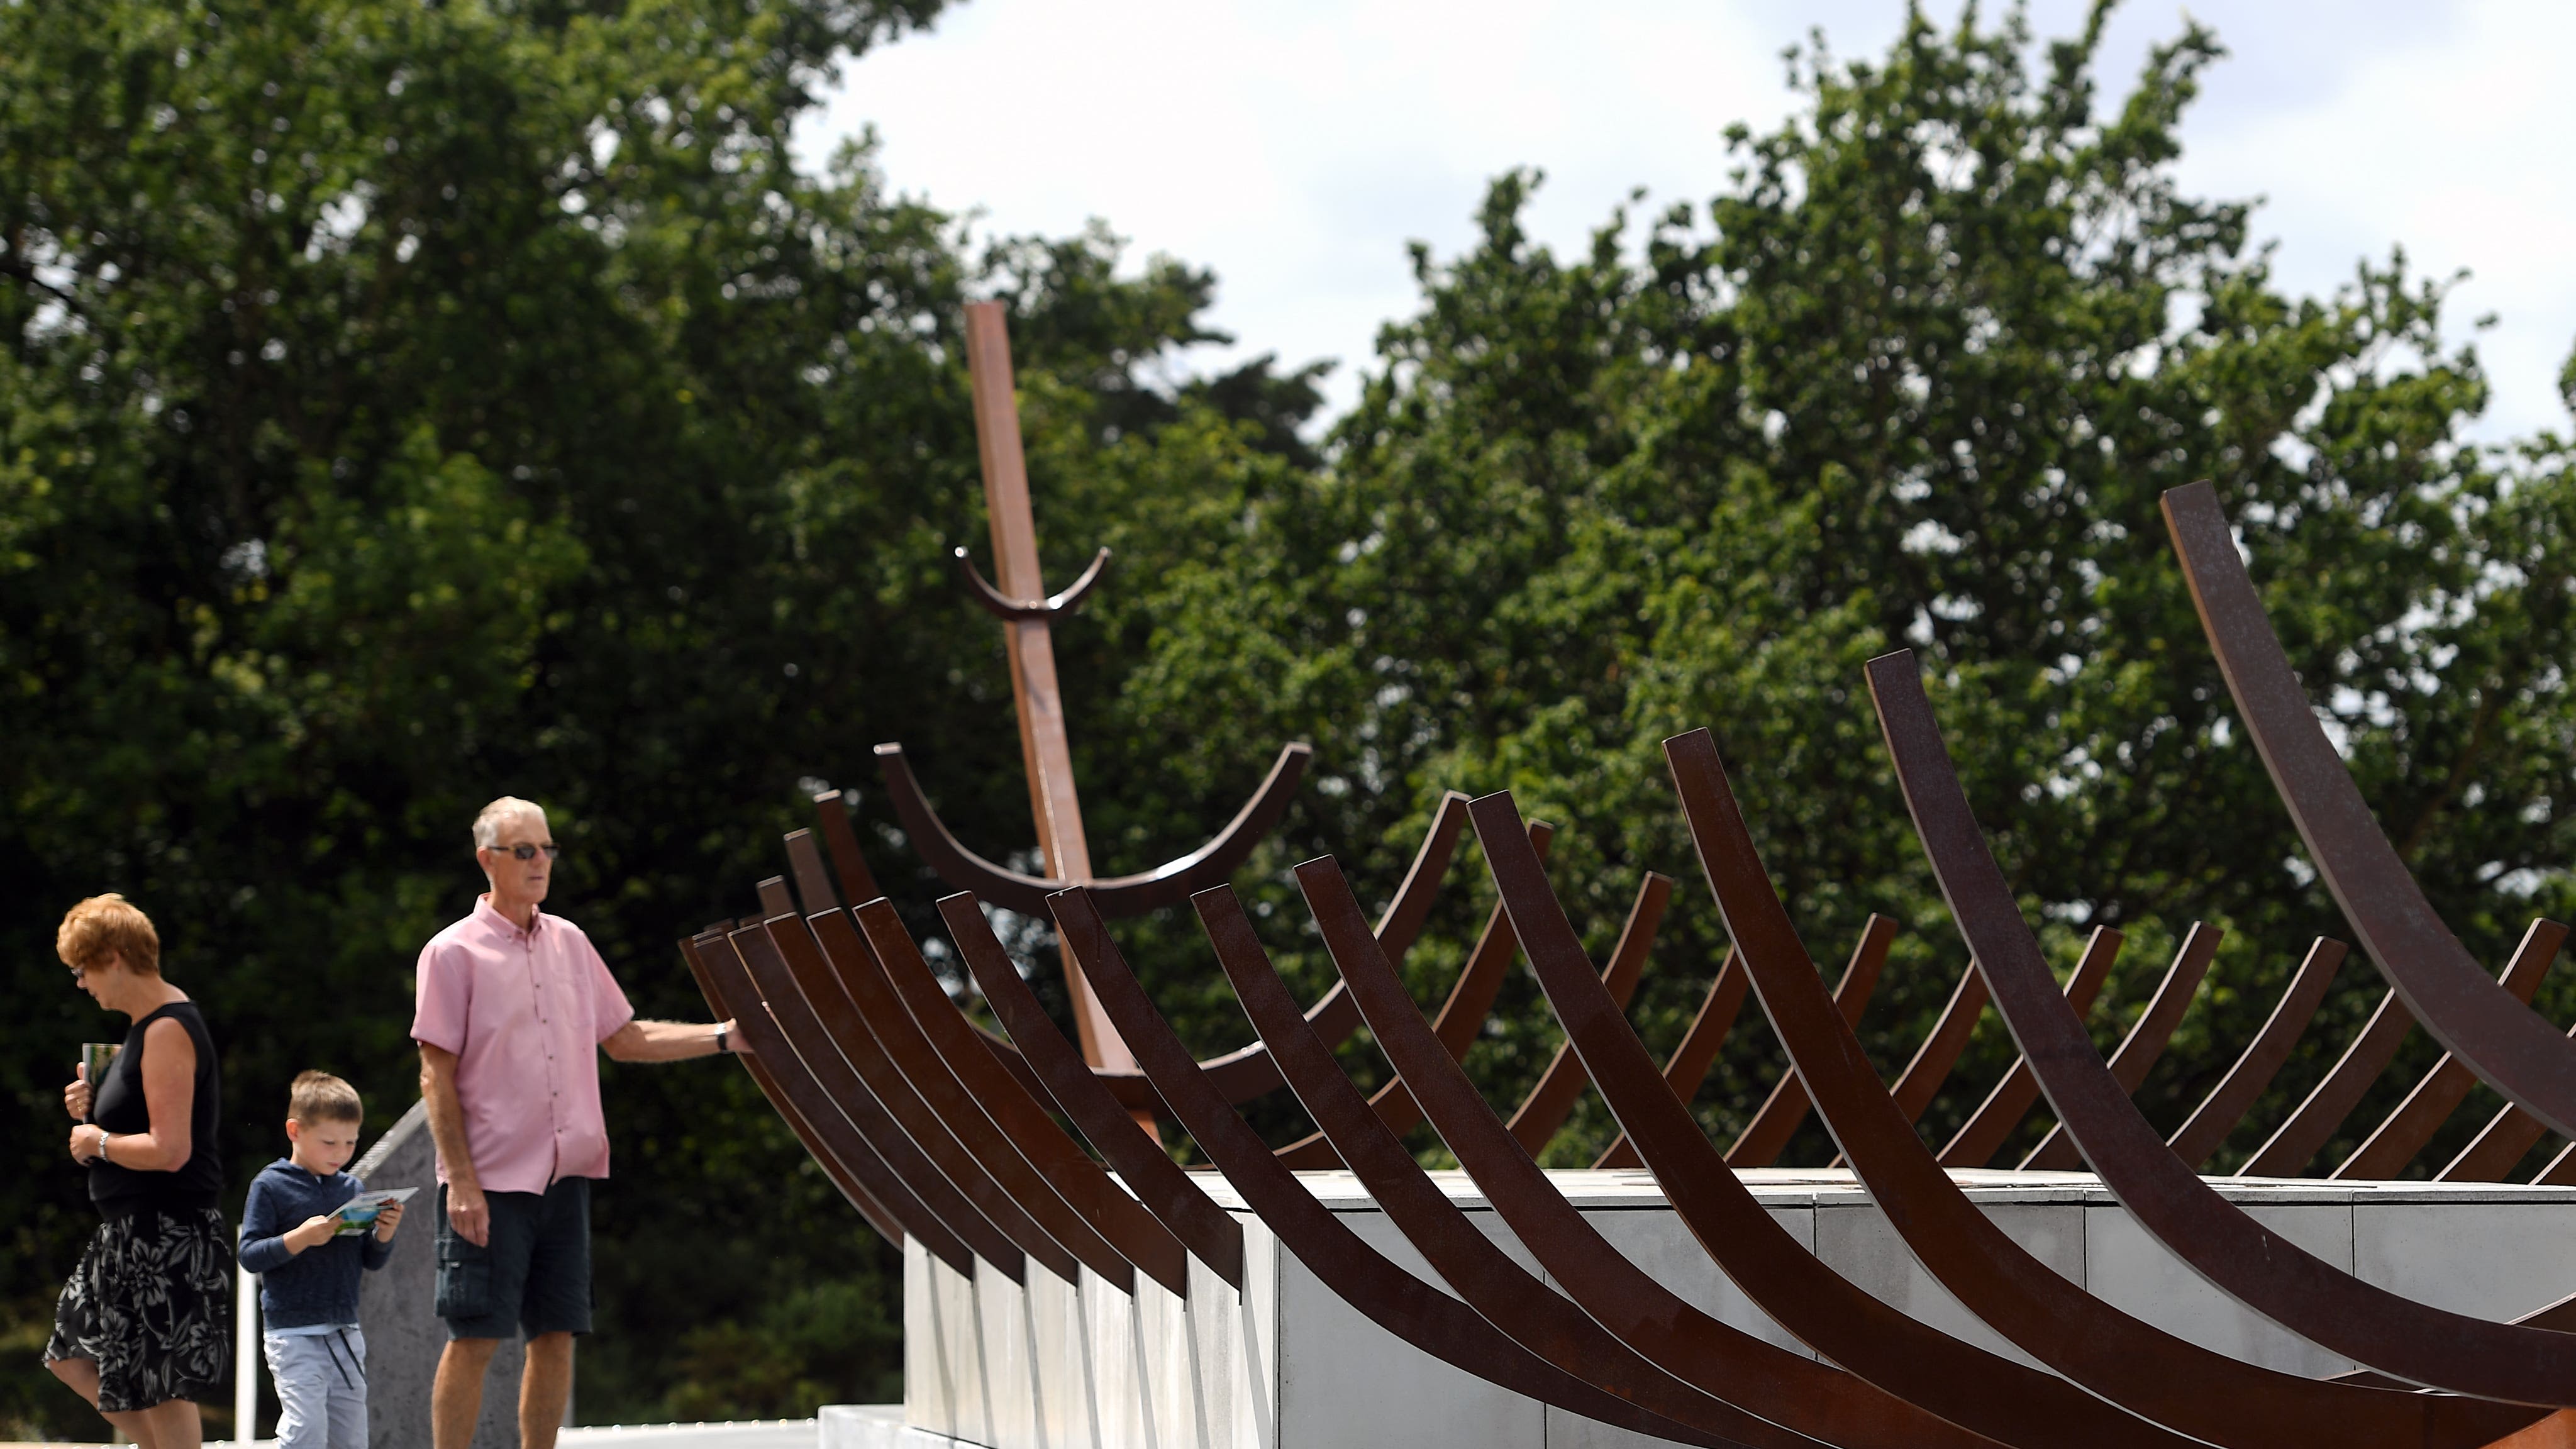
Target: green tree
[[1914, 379], [405, 404]]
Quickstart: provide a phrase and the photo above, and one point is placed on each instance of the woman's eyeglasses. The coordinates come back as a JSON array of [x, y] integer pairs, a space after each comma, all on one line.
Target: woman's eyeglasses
[[525, 851]]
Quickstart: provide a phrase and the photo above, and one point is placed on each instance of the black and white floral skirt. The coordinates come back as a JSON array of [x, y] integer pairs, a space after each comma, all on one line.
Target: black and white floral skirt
[[152, 1304]]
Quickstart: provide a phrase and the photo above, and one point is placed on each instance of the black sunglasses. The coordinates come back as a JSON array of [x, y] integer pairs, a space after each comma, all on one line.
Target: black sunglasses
[[525, 851]]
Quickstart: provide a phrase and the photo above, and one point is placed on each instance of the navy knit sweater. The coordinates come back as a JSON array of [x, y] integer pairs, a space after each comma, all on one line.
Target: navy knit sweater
[[320, 1284]]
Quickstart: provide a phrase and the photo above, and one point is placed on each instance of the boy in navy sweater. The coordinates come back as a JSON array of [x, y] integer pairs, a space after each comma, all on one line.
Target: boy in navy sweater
[[308, 1293]]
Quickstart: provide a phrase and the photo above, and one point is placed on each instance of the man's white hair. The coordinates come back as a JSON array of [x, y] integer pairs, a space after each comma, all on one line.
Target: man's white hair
[[487, 825]]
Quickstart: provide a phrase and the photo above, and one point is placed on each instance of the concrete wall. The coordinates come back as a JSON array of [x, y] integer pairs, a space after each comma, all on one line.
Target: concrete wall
[[1288, 1365], [396, 1308]]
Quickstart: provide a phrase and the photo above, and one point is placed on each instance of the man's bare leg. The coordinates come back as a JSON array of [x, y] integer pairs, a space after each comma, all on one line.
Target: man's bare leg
[[545, 1385], [456, 1395], [81, 1375]]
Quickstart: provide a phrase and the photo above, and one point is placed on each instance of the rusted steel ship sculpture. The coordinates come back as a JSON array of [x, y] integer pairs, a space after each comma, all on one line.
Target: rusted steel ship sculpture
[[1039, 1153]]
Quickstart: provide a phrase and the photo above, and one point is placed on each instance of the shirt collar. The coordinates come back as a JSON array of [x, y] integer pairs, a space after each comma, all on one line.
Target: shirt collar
[[494, 920]]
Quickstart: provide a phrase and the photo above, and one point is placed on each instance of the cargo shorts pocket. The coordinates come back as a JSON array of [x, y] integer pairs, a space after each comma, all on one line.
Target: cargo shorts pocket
[[464, 1284]]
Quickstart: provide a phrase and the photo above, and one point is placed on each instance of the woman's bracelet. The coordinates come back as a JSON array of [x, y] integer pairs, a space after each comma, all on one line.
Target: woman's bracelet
[[101, 1154], [720, 1041]]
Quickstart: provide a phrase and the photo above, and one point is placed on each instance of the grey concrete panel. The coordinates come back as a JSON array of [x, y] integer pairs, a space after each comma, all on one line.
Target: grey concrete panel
[[1344, 1380], [2497, 1260], [2127, 1268], [1856, 1240], [1660, 1244], [397, 1308]]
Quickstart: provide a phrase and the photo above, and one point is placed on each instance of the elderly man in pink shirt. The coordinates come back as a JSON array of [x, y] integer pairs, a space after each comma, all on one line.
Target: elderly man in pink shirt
[[514, 1006]]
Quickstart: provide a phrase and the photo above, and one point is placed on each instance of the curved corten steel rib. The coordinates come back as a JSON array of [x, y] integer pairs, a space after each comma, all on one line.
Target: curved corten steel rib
[[1167, 884], [1982, 1135], [943, 1173], [1561, 1085], [853, 1125], [2302, 1134], [1247, 1072], [934, 1112], [1013, 611], [1139, 1236], [2498, 1148], [1785, 1110], [2509, 1046], [1211, 1234], [1929, 1069], [1393, 1298], [2145, 1042], [1689, 1064], [1964, 1384], [868, 1192], [2413, 1122], [2175, 1382], [2225, 1106], [1047, 1198], [2296, 1142], [2266, 1272], [1461, 1019], [1790, 1389], [1539, 1318]]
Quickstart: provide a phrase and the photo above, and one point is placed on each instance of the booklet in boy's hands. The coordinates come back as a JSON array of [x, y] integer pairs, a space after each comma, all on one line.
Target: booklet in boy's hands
[[358, 1214]]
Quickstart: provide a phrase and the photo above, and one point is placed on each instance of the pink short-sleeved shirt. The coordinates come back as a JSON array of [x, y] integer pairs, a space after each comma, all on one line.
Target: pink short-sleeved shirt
[[524, 1012]]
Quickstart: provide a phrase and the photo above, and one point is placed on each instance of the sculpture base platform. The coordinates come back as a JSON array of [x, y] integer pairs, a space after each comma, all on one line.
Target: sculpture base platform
[[1286, 1365]]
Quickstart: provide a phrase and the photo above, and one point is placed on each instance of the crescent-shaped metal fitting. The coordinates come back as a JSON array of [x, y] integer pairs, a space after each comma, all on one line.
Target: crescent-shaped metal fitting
[[1012, 611]]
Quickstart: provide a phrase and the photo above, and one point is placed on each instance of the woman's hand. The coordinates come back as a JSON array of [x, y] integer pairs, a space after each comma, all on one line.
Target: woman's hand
[[85, 1141], [76, 1094], [388, 1218], [313, 1232]]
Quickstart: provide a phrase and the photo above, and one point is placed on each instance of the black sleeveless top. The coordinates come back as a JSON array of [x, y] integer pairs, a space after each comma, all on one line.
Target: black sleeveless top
[[117, 1104]]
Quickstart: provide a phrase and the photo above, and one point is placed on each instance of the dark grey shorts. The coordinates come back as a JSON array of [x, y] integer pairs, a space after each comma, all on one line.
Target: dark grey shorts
[[533, 1272]]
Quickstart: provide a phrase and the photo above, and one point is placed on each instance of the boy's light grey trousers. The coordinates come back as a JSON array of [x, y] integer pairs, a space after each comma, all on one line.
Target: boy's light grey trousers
[[321, 1381]]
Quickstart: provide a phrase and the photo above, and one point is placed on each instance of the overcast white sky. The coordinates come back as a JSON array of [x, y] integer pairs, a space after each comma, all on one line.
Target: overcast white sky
[[1296, 148]]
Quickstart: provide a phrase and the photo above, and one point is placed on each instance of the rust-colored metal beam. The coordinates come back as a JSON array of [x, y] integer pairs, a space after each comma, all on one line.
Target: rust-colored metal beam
[[2296, 1142], [1982, 1135], [870, 1191], [1050, 1195], [2240, 1256], [1697, 1052], [1968, 1386], [1246, 1072], [2507, 1044], [2406, 1129], [1139, 1236], [1461, 1020], [2175, 1382], [1533, 1314], [1211, 1233], [2218, 1113], [903, 1131], [1816, 1399], [1414, 1311], [1785, 1110], [1558, 1088], [1167, 884], [2497, 1149], [2145, 1042], [1928, 1070], [824, 1092]]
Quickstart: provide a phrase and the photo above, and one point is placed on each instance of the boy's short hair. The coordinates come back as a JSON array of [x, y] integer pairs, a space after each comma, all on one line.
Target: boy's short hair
[[322, 1097], [108, 923]]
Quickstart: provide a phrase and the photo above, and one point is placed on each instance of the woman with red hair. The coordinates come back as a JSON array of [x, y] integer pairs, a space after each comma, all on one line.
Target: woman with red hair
[[144, 1328]]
